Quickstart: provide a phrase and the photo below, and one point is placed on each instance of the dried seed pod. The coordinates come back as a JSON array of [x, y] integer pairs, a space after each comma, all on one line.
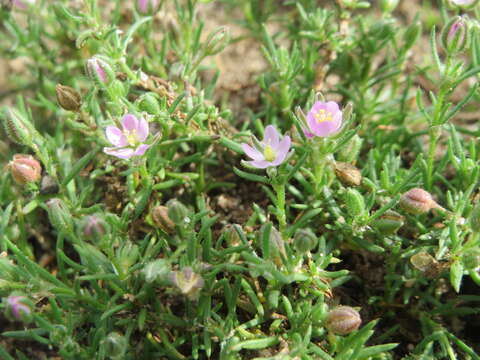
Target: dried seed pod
[[348, 174], [343, 320], [25, 168], [427, 264], [417, 201], [68, 98], [162, 220]]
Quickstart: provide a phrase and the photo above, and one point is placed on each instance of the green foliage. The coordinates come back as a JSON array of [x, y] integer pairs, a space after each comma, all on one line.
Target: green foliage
[[248, 262]]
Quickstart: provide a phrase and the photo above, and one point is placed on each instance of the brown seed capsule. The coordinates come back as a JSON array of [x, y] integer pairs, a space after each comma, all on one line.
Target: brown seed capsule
[[162, 220], [68, 98], [343, 320], [426, 263], [417, 201], [348, 174], [25, 168]]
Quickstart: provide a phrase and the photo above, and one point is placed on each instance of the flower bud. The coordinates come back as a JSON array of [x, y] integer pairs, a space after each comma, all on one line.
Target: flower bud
[[48, 185], [304, 240], [93, 258], [18, 308], [188, 282], [149, 103], [217, 40], [275, 242], [127, 255], [162, 220], [232, 236], [343, 320], [93, 227], [389, 223], [349, 152], [68, 98], [100, 71], [455, 35], [115, 346], [471, 259], [417, 201], [25, 168], [348, 174], [147, 7], [17, 128], [156, 270], [388, 6], [60, 216], [355, 203], [178, 212]]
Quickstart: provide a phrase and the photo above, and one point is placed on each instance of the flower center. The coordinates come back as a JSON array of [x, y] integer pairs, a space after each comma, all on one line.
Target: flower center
[[322, 115], [269, 154], [132, 137]]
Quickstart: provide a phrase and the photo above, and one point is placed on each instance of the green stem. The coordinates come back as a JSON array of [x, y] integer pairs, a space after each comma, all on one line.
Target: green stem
[[431, 157], [281, 215]]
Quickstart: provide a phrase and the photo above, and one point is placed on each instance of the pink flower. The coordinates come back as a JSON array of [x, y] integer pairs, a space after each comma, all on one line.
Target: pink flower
[[323, 119], [23, 4], [270, 152], [128, 140], [462, 2]]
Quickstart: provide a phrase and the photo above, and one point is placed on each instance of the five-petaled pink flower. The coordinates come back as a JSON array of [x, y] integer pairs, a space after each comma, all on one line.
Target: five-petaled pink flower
[[270, 152], [462, 2], [323, 119], [128, 141]]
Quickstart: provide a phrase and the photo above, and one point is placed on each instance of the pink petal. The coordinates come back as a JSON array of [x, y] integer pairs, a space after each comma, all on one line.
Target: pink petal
[[271, 136], [326, 128], [282, 150], [130, 122], [331, 106], [260, 164], [122, 153], [252, 153], [140, 150], [142, 130], [115, 136], [143, 5]]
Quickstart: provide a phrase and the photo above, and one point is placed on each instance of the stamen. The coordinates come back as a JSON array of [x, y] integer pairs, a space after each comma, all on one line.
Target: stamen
[[269, 154]]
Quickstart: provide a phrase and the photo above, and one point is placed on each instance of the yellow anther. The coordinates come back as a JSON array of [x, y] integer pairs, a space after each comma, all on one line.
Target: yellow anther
[[132, 137]]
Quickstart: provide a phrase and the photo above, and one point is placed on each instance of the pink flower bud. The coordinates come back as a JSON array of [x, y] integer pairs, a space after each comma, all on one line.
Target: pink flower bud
[[99, 70], [343, 320], [18, 308], [147, 7], [25, 168]]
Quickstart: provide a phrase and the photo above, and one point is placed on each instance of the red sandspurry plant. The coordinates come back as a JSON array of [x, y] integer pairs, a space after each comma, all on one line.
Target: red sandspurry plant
[[139, 217]]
